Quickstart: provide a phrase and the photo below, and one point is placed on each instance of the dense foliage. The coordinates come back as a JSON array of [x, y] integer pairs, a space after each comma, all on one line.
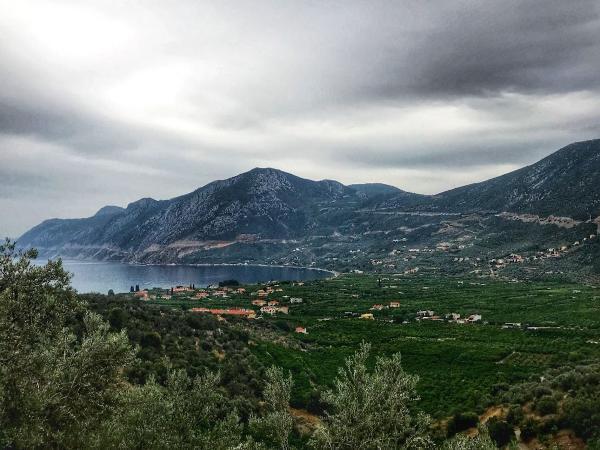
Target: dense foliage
[[100, 371]]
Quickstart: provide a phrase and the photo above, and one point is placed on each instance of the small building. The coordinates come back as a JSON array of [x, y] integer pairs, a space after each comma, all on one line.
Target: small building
[[274, 309], [394, 304], [301, 330], [295, 300], [367, 316], [377, 307], [273, 303], [259, 302], [221, 293], [240, 312], [474, 318], [179, 289]]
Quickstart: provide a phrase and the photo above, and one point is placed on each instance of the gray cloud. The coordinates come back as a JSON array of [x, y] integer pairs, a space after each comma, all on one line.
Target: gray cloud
[[104, 105]]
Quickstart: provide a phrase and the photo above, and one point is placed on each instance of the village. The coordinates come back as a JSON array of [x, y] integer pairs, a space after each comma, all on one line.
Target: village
[[271, 300], [411, 260]]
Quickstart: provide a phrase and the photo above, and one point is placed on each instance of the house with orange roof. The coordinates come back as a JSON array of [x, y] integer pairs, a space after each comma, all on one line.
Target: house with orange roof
[[240, 312]]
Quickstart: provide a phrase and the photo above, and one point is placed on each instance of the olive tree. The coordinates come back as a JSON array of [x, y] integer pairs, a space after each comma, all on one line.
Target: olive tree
[[60, 366], [275, 426], [183, 414], [372, 409]]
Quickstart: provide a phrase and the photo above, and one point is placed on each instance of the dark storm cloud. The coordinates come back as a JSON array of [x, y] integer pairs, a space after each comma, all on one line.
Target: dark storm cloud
[[483, 48], [157, 98]]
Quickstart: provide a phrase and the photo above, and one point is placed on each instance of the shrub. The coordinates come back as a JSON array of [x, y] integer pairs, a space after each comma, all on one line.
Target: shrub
[[500, 431], [461, 422], [529, 430], [515, 415], [546, 405]]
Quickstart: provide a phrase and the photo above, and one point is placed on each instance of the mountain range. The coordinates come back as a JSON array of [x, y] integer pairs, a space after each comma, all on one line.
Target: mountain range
[[270, 216]]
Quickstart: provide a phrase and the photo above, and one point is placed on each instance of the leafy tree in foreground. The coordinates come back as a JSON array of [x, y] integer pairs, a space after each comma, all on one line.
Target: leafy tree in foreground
[[276, 425], [60, 367], [184, 414], [372, 410]]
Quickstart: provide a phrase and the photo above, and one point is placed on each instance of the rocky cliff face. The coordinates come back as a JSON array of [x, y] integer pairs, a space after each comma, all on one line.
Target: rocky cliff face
[[261, 203]]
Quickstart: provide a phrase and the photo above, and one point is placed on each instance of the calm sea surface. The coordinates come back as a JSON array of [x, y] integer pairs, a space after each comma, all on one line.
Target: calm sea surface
[[102, 276]]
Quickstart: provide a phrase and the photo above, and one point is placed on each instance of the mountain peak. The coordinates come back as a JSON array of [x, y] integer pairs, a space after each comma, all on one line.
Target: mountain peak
[[142, 203], [109, 210]]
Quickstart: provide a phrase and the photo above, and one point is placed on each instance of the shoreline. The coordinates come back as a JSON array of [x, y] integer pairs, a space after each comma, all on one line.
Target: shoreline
[[281, 266]]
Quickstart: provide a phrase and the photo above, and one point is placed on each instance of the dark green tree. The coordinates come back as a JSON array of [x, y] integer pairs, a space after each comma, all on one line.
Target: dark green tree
[[60, 367]]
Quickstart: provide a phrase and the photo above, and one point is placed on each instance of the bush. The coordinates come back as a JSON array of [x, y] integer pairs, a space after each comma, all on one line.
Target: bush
[[461, 422], [542, 391], [546, 405], [500, 431], [515, 415], [529, 430]]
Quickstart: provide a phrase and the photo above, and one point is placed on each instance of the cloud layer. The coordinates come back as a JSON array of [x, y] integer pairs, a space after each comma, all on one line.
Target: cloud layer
[[104, 102]]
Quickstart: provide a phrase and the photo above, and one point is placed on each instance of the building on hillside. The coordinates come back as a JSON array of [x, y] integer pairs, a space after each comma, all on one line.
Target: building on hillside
[[377, 307], [394, 304], [274, 309], [240, 312], [301, 330], [273, 303], [367, 316], [295, 300], [220, 293], [474, 318], [259, 302]]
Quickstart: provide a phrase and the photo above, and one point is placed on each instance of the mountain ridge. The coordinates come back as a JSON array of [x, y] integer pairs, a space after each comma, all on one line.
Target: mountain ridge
[[268, 215]]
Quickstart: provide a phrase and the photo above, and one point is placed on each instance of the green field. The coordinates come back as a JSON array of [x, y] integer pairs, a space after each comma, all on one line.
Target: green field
[[461, 366]]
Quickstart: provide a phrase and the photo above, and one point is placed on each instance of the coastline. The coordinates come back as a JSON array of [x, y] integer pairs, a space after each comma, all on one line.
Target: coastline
[[281, 266]]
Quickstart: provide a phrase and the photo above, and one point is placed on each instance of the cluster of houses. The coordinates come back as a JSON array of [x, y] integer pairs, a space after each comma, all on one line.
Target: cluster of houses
[[451, 317], [426, 315], [379, 307], [262, 293], [552, 252], [261, 301], [274, 309], [239, 312]]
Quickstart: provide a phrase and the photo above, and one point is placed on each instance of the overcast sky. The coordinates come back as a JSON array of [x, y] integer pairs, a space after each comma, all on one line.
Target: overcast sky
[[106, 102]]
